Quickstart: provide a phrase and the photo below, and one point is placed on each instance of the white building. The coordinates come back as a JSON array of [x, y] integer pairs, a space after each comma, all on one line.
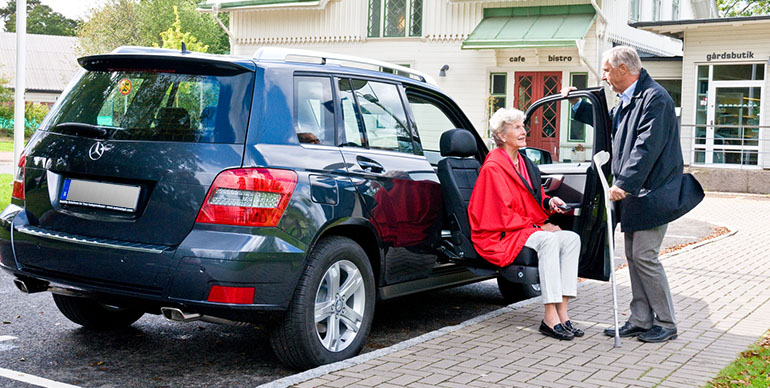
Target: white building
[[51, 64], [485, 54]]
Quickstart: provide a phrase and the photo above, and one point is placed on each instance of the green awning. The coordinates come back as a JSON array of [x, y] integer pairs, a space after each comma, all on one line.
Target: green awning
[[520, 27], [229, 4]]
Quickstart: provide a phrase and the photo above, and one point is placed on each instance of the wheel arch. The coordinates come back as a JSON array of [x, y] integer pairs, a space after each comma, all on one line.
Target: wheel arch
[[365, 235]]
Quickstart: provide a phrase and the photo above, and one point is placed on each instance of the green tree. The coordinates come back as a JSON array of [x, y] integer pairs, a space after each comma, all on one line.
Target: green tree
[[41, 19], [141, 22], [174, 37], [732, 8]]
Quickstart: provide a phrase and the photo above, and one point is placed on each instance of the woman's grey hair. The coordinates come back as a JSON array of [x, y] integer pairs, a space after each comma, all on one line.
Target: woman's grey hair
[[624, 54], [498, 120]]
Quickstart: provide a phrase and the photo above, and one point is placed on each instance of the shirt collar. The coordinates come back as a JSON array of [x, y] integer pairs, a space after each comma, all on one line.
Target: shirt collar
[[628, 93]]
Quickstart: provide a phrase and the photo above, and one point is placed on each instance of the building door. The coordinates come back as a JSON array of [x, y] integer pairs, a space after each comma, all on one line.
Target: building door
[[734, 117], [543, 128]]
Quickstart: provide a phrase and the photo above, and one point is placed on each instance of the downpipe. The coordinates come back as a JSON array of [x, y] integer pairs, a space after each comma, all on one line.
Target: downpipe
[[177, 315]]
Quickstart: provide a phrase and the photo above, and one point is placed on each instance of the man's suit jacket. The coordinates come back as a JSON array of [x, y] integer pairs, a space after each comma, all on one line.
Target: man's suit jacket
[[647, 159]]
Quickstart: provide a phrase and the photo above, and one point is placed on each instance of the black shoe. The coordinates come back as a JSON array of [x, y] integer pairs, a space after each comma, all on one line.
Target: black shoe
[[627, 330], [658, 334], [558, 331], [575, 331]]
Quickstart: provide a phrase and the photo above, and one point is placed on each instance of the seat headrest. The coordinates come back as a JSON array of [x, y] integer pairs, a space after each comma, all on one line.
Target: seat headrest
[[458, 142]]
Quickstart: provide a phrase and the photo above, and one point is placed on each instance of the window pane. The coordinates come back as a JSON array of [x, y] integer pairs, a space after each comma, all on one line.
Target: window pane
[[313, 114], [735, 157], [674, 88], [633, 11], [350, 121], [416, 28], [700, 135], [431, 122], [739, 72], [395, 17], [383, 115], [700, 156], [375, 7], [498, 83], [655, 10], [577, 129]]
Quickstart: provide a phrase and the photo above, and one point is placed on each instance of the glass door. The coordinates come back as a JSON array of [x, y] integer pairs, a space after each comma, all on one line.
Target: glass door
[[733, 116]]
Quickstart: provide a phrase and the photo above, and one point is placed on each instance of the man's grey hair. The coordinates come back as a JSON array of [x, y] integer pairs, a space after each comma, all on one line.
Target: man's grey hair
[[626, 55], [498, 120]]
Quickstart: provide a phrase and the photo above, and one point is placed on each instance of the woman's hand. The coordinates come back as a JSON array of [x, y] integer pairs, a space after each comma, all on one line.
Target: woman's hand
[[550, 228], [555, 203]]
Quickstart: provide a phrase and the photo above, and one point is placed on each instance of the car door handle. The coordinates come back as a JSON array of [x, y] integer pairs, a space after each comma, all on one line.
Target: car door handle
[[369, 165]]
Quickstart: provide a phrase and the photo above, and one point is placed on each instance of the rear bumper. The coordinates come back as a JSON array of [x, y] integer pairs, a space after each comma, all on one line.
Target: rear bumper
[[155, 276]]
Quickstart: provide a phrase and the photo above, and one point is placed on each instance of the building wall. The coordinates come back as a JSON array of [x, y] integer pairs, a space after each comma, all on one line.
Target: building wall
[[699, 43]]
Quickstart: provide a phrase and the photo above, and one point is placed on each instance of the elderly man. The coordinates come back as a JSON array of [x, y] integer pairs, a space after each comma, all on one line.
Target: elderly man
[[649, 189]]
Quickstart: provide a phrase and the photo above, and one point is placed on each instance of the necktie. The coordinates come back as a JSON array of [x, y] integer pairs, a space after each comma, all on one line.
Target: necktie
[[616, 119]]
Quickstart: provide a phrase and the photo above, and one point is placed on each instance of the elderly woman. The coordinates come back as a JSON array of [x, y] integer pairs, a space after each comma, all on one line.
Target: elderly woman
[[508, 211]]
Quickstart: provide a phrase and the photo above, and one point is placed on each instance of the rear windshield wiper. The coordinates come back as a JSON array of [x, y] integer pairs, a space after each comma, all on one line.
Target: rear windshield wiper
[[81, 129]]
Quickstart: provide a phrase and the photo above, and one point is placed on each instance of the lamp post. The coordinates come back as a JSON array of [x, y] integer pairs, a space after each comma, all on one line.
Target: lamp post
[[21, 59]]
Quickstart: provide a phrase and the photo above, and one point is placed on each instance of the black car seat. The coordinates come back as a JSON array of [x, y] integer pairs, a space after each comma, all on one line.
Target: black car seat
[[457, 172]]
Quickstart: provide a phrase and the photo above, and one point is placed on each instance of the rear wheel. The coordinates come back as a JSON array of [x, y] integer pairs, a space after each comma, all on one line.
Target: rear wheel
[[515, 292], [331, 313], [94, 315]]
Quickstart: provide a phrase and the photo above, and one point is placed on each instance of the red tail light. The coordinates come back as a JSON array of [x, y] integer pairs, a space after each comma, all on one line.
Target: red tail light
[[249, 197], [239, 295], [18, 178]]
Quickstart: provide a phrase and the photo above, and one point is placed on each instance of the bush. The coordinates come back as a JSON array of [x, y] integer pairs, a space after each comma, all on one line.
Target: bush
[[33, 116]]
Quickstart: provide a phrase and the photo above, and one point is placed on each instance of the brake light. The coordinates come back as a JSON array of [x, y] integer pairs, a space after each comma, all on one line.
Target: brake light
[[18, 178], [248, 197], [239, 295]]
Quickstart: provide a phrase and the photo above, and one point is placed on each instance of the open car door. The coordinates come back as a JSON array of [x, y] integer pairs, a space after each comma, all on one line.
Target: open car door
[[577, 181]]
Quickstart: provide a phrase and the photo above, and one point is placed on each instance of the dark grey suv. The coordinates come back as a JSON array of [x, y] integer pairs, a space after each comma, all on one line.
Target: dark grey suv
[[292, 187]]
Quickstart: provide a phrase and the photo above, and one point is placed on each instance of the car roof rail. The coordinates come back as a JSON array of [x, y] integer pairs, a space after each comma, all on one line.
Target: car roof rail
[[281, 54]]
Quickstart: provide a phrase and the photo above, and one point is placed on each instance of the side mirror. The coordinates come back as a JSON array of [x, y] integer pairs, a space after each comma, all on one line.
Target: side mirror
[[538, 156]]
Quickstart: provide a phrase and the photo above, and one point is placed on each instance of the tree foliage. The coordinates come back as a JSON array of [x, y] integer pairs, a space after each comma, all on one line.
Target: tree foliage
[[732, 8], [41, 19], [141, 22], [174, 37]]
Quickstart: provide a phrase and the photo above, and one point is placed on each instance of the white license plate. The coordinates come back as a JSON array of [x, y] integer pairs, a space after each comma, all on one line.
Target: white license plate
[[100, 195]]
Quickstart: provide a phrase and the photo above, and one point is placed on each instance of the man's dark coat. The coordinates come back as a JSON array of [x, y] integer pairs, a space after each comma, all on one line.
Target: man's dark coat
[[647, 160]]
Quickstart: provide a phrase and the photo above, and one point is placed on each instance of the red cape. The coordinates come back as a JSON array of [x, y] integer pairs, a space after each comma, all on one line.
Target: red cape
[[502, 212]]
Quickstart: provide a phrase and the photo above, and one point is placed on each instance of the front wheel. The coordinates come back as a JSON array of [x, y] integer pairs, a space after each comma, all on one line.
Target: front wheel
[[331, 313], [94, 315], [515, 292]]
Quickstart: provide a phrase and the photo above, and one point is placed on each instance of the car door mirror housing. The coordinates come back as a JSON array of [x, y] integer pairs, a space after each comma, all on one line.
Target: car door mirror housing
[[538, 156]]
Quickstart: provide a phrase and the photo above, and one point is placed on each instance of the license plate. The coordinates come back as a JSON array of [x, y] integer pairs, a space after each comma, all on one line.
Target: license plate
[[100, 195]]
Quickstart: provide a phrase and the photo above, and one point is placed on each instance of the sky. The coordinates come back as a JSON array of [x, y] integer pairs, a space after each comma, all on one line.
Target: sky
[[73, 9]]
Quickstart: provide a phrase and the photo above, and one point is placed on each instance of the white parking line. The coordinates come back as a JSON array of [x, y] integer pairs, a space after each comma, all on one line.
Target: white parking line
[[34, 380], [6, 338]]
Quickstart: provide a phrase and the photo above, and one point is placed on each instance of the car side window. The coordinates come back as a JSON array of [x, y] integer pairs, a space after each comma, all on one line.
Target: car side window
[[383, 115], [431, 121], [351, 126], [313, 110]]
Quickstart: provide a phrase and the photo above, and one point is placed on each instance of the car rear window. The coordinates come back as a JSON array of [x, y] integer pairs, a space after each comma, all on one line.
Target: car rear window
[[159, 106]]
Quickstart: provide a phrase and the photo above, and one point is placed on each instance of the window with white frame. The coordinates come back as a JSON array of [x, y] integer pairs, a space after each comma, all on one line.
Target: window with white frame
[[395, 18], [633, 10], [727, 128], [675, 10], [655, 10]]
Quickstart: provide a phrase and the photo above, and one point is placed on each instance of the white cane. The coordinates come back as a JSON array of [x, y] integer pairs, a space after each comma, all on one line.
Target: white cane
[[600, 159]]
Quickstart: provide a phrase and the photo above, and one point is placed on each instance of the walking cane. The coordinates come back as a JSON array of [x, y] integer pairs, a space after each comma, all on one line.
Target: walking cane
[[600, 159]]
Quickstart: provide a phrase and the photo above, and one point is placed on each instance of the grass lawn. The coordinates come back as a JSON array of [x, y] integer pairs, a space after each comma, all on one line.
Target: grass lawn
[[6, 188], [6, 145], [751, 369]]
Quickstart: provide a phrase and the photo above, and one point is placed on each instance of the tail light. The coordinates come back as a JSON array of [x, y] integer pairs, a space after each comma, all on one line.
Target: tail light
[[248, 197], [18, 178]]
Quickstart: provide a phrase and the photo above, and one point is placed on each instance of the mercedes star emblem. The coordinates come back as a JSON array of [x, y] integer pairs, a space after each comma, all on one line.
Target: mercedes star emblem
[[96, 151]]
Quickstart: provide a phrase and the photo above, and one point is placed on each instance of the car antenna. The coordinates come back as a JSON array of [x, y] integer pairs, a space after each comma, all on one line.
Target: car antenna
[[184, 49]]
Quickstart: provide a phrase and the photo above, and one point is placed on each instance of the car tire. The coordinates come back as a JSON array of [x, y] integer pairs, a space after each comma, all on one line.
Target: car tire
[[94, 315], [302, 339], [515, 292]]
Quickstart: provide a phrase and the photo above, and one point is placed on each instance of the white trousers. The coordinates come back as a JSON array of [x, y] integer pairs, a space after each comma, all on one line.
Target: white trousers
[[557, 254]]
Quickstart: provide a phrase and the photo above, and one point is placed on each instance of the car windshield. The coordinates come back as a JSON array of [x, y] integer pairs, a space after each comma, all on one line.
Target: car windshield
[[158, 106]]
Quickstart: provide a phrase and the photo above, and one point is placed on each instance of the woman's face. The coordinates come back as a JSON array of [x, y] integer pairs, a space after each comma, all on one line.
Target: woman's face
[[514, 134]]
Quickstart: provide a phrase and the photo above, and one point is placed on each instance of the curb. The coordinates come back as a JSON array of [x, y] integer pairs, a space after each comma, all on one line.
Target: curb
[[362, 358]]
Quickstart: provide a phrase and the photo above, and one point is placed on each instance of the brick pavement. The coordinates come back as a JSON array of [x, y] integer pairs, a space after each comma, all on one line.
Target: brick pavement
[[722, 299]]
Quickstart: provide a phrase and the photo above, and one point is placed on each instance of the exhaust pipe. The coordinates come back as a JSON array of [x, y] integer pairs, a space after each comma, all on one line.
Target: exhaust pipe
[[177, 315], [29, 286]]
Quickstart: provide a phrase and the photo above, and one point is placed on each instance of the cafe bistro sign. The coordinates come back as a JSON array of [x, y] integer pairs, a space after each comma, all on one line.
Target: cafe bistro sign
[[550, 58], [730, 55]]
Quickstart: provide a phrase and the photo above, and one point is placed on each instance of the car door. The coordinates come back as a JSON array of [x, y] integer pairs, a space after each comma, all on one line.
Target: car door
[[397, 184], [577, 182]]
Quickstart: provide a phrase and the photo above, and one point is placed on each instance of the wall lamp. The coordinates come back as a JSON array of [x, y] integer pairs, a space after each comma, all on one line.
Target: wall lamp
[[442, 72]]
